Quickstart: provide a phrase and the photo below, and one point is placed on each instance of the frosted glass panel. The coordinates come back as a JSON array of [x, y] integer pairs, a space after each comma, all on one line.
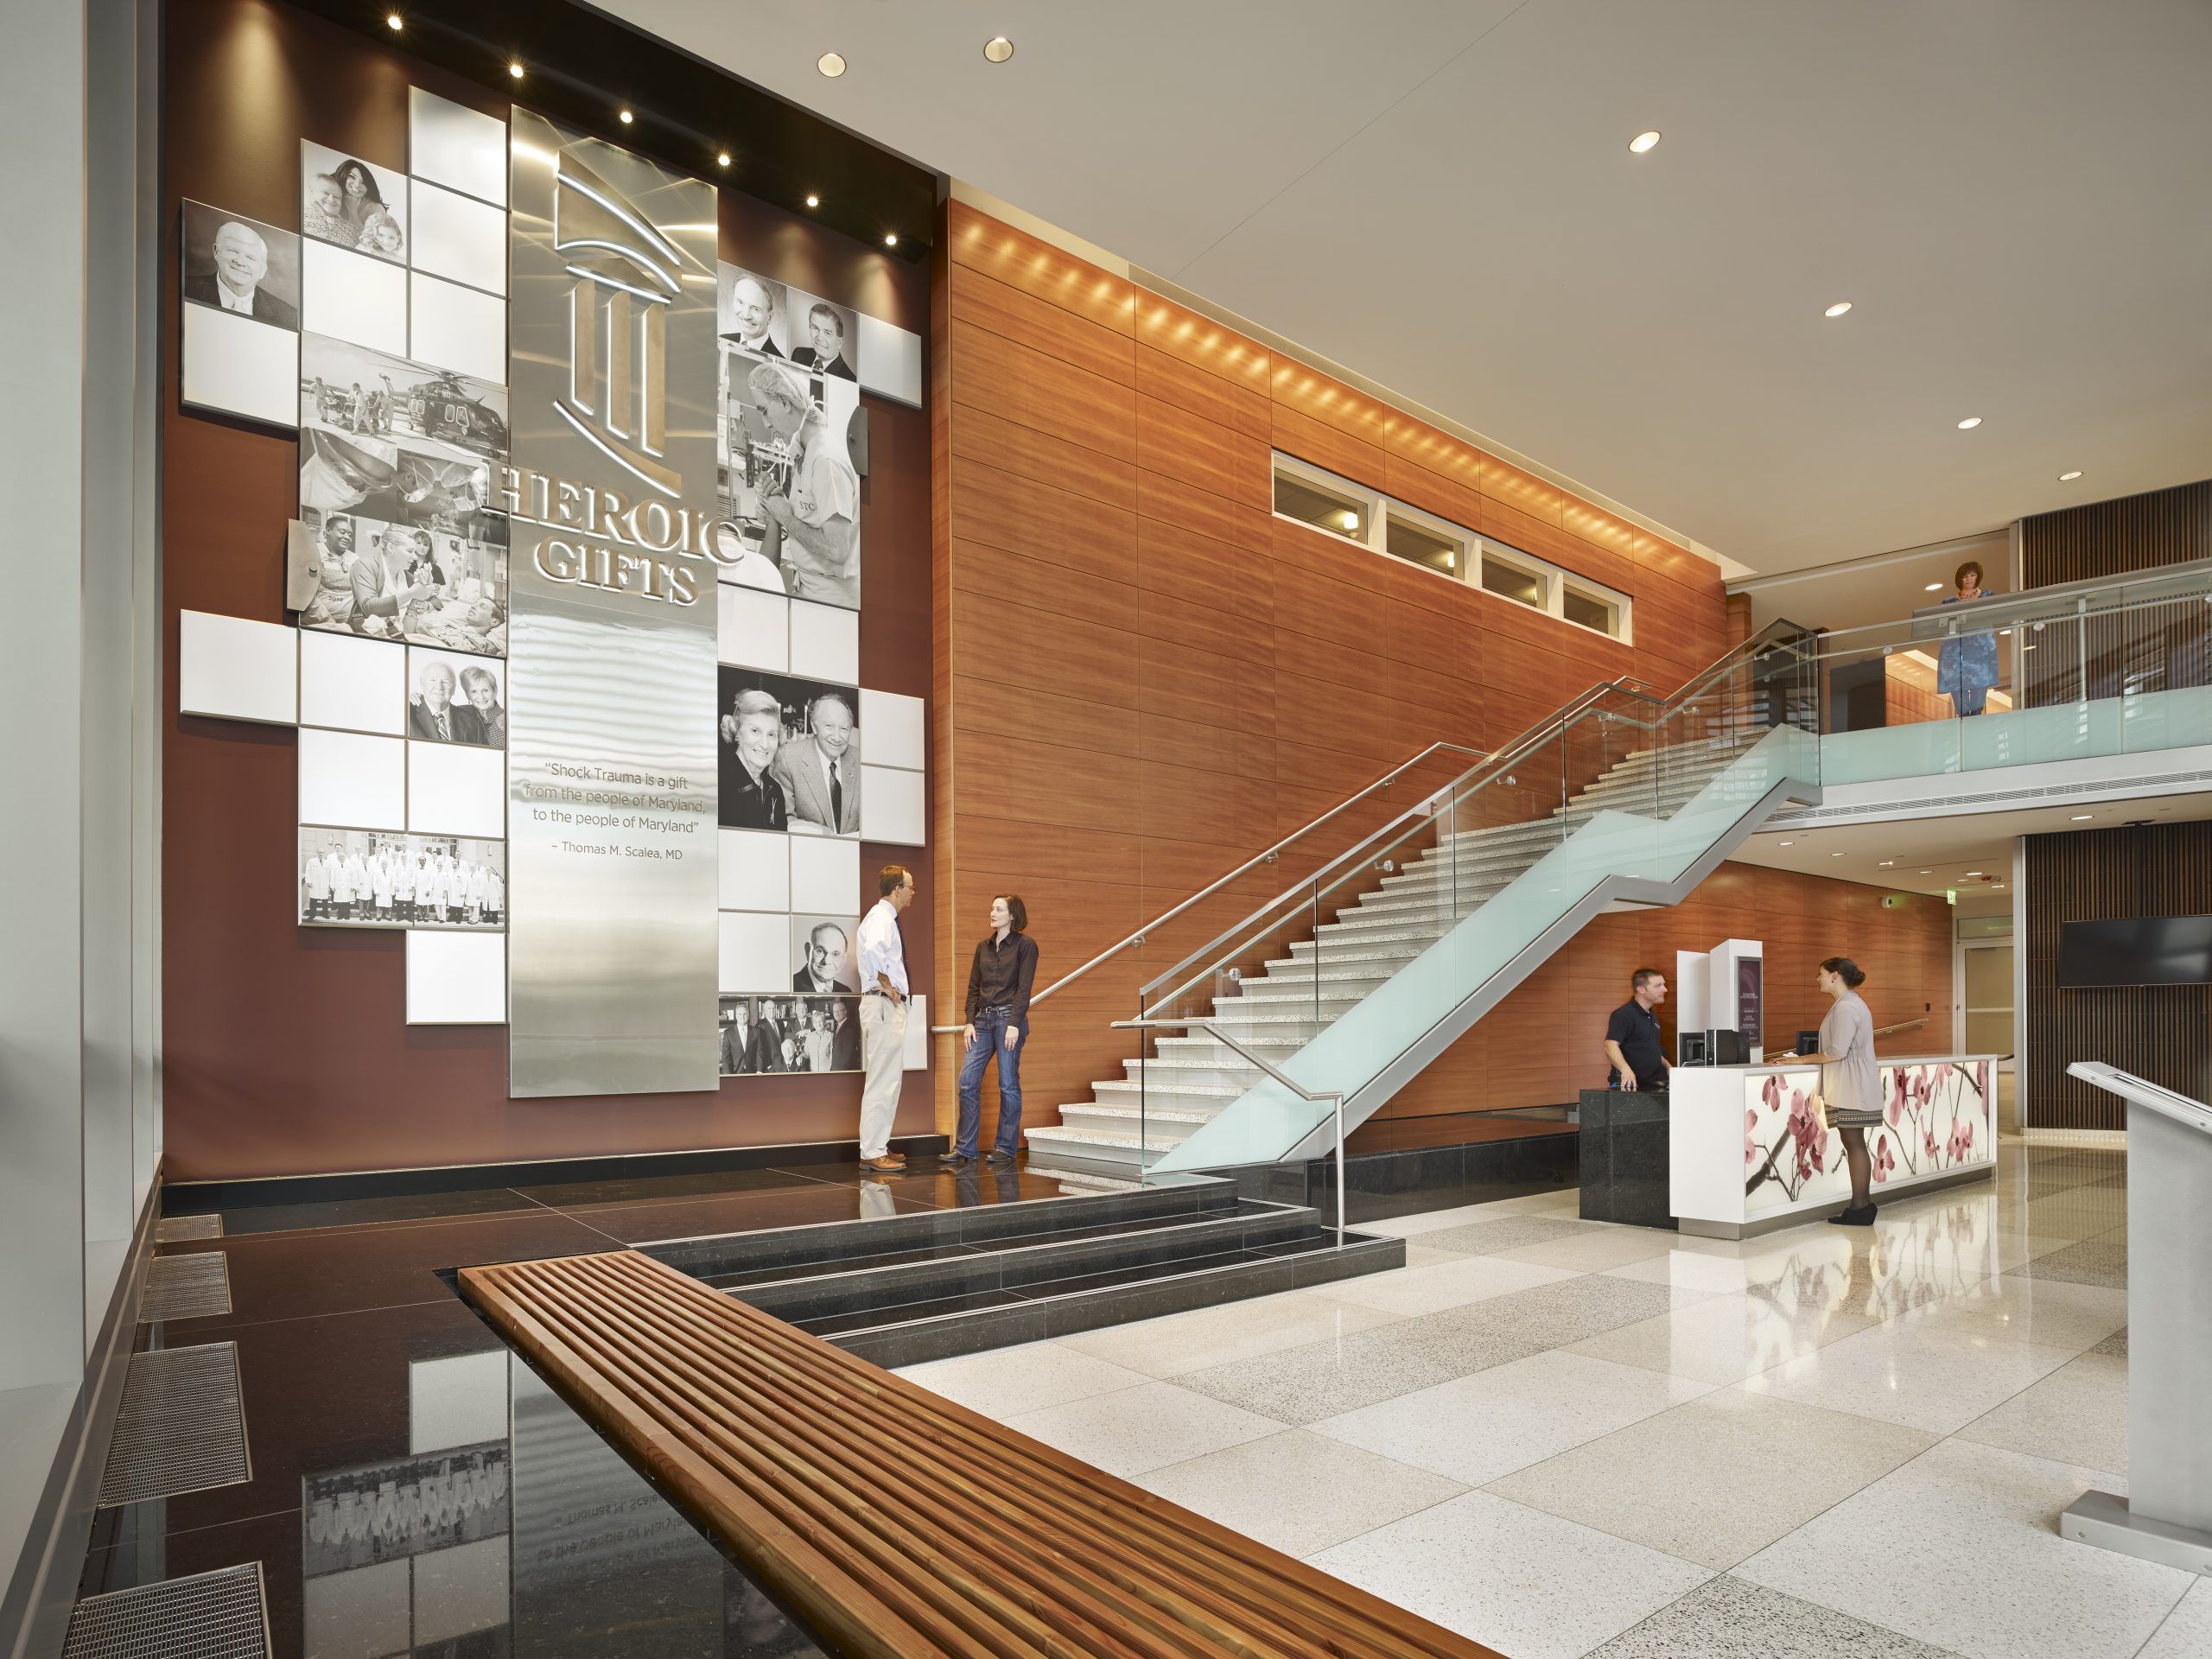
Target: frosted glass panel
[[356, 684], [456, 979], [825, 874], [237, 668], [452, 145], [755, 869], [240, 366], [890, 360], [891, 805], [352, 782], [457, 327], [454, 789], [892, 727], [753, 628], [459, 237], [756, 951], [825, 642], [352, 296]]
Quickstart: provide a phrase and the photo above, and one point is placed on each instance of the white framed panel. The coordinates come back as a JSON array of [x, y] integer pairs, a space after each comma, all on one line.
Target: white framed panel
[[756, 951], [237, 365], [455, 328], [894, 730], [825, 642], [351, 296], [892, 806], [753, 628], [458, 1401], [352, 781], [456, 979], [755, 869], [825, 874], [460, 238], [356, 684], [918, 1034], [235, 669], [457, 788], [450, 145], [890, 360]]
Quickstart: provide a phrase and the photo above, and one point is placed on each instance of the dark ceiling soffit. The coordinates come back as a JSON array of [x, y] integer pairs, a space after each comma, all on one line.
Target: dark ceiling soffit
[[583, 65]]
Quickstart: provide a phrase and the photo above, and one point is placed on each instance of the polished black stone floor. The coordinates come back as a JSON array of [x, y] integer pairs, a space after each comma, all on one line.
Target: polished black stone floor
[[416, 1490]]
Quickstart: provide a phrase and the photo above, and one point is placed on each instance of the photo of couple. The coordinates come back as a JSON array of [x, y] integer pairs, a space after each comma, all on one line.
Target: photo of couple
[[790, 754]]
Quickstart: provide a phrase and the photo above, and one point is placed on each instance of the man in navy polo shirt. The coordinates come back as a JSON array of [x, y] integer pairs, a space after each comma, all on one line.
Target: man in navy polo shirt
[[1632, 1036]]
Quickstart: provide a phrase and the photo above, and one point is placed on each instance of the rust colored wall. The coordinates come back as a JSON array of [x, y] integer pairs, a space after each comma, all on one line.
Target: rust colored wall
[[286, 1050]]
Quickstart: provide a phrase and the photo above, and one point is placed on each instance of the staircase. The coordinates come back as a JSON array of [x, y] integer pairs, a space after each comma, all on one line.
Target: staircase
[[1132, 1121]]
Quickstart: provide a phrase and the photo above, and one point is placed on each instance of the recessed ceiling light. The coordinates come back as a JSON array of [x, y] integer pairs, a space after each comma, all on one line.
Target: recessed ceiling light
[[515, 69], [627, 117], [1970, 423], [1886, 864], [813, 200], [1972, 874], [395, 20], [1643, 142], [998, 49], [2068, 478], [1838, 308], [1835, 854], [2081, 817], [830, 64], [1785, 843], [722, 160], [1933, 587], [891, 238]]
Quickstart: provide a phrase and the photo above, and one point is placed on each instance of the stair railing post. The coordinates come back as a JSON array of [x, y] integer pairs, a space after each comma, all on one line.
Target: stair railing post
[[1317, 958], [1340, 1169], [1143, 1078]]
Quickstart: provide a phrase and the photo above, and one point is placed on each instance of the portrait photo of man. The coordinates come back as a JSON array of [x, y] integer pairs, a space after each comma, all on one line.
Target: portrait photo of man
[[828, 351], [820, 773], [824, 953], [751, 308], [241, 265]]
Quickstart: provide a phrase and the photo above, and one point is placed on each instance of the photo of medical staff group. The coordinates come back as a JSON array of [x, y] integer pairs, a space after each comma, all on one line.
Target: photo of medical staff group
[[376, 878]]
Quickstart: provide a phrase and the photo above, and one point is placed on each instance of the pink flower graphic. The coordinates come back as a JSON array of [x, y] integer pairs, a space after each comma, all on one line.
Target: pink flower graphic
[[1884, 1161], [1805, 1130], [1771, 1094], [1750, 1130]]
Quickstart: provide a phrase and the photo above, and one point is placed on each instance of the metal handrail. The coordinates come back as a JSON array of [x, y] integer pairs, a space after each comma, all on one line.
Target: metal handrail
[[1203, 1022], [2026, 608], [1535, 738]]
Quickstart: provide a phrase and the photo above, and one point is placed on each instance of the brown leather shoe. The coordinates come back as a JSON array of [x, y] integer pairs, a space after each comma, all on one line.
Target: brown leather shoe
[[888, 1165]]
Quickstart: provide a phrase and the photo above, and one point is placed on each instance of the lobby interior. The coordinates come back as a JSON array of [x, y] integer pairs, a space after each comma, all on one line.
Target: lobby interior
[[1377, 536]]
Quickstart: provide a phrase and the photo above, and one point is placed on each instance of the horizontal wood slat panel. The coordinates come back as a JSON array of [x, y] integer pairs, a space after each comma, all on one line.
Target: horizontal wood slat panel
[[899, 1525]]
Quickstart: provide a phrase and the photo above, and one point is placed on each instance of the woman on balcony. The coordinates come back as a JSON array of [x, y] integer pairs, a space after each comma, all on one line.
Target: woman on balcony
[[1967, 667]]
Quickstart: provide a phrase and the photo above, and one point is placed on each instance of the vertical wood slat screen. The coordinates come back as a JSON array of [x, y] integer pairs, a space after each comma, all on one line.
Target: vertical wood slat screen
[[2155, 650], [2155, 1032]]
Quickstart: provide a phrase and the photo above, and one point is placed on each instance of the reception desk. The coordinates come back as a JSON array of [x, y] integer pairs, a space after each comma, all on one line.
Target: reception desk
[[1746, 1153]]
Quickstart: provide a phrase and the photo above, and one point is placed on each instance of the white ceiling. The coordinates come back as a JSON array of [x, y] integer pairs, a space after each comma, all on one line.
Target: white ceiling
[[1932, 854], [2015, 194]]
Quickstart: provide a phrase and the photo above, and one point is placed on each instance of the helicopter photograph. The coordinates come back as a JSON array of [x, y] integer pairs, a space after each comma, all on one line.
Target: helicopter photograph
[[360, 393]]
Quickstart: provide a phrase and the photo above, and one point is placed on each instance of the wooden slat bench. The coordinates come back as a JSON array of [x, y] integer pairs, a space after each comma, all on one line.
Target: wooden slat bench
[[897, 1522]]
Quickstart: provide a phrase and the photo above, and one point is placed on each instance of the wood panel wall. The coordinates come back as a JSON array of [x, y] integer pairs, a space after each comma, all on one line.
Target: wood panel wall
[[1143, 678], [2136, 532], [2155, 1032]]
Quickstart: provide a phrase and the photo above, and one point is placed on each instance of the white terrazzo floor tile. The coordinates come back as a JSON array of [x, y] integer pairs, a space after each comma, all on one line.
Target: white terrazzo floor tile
[[2187, 1632], [1233, 1331], [1940, 1387], [1449, 1280], [1960, 1548], [1718, 1478], [1729, 1618], [1724, 1339], [1525, 1583], [1480, 1427], [1299, 1491], [1134, 1431], [2077, 1415], [1008, 1381], [1592, 1253], [2050, 1314]]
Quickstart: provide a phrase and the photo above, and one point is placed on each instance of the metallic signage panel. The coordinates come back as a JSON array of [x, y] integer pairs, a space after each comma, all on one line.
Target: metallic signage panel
[[611, 835]]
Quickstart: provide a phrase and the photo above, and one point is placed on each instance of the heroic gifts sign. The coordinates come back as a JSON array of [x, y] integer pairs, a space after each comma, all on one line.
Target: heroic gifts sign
[[611, 836]]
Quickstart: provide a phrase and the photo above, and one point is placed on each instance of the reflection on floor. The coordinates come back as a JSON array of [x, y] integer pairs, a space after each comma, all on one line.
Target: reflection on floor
[[1562, 1438], [415, 1492]]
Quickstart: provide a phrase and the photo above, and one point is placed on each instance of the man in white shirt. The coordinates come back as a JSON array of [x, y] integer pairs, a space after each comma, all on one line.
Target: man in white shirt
[[883, 1018], [241, 256], [752, 314]]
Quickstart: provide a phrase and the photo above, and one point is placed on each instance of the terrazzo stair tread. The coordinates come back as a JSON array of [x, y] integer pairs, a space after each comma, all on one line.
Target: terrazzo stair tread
[[831, 1326], [1112, 1279], [749, 1277], [1160, 1126], [1129, 1089]]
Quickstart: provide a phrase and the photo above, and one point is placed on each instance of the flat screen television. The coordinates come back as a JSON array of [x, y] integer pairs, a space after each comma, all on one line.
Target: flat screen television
[[2136, 951]]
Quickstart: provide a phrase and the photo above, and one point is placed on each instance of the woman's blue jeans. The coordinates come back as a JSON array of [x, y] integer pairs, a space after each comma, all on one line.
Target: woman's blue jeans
[[990, 1039]]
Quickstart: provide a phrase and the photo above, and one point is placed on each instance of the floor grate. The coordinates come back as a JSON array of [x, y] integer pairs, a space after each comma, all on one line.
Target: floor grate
[[182, 1428], [218, 1614], [175, 1229], [186, 1287]]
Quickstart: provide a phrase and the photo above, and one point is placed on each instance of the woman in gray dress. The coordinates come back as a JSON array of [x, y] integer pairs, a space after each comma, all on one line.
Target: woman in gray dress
[[1851, 1087]]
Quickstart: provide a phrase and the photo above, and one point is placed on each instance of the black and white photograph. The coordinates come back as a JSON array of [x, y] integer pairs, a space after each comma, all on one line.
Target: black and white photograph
[[789, 754], [452, 698], [239, 265], [754, 313], [825, 955], [359, 392], [379, 878], [824, 338], [350, 203], [787, 480], [407, 1506], [762, 1034], [403, 582]]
